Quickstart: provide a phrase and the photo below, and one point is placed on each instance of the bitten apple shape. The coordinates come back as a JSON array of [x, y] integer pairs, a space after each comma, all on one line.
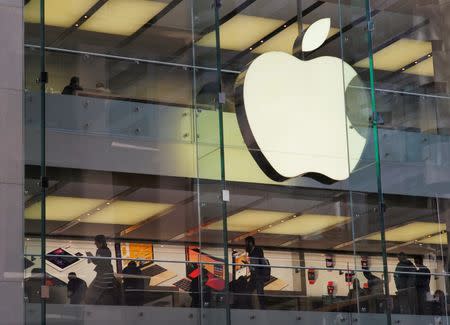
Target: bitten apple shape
[[293, 117]]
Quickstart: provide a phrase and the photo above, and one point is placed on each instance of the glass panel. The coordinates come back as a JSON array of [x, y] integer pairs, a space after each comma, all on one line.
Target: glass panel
[[366, 199], [212, 210], [411, 99], [186, 137]]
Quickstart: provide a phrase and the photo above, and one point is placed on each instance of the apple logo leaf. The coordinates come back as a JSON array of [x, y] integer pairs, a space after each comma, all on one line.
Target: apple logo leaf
[[316, 35]]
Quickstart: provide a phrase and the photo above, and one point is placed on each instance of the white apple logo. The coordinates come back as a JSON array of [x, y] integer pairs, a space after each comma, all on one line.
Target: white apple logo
[[293, 115]]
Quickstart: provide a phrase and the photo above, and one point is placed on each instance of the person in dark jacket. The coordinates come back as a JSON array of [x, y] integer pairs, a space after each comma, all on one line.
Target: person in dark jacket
[[439, 303], [73, 87], [199, 290], [76, 289], [375, 290], [405, 281], [33, 285], [355, 293], [256, 282], [133, 285], [102, 289], [241, 299], [422, 283]]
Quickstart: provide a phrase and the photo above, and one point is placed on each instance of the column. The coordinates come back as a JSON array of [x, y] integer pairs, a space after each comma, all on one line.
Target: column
[[11, 162]]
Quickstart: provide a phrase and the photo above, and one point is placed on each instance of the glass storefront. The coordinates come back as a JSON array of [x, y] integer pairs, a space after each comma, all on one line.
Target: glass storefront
[[236, 161]]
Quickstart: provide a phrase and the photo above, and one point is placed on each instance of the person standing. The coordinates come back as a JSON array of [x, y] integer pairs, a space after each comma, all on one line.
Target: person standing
[[133, 285], [405, 281], [73, 87], [422, 283], [102, 289], [375, 291], [354, 295], [256, 282], [76, 289], [200, 293], [32, 286]]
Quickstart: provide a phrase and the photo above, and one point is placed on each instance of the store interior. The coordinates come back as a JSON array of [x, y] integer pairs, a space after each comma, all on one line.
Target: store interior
[[167, 58]]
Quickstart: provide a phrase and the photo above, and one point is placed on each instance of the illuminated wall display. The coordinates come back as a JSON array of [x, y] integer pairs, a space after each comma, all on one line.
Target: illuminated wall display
[[293, 115]]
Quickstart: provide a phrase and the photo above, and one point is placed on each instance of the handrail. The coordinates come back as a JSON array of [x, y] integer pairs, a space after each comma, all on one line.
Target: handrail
[[125, 58], [295, 267]]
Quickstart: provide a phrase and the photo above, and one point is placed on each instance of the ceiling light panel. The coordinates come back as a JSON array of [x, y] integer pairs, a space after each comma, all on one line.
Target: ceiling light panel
[[424, 68], [250, 220], [306, 224], [410, 232], [127, 212], [397, 55], [241, 32], [122, 17], [60, 13], [62, 208], [284, 41], [435, 240]]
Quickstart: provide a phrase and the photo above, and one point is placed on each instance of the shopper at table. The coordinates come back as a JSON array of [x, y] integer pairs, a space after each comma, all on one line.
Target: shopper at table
[[76, 289], [133, 285], [200, 293]]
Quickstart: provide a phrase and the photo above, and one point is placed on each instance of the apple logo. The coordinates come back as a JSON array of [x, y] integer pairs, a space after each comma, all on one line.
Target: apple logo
[[303, 118]]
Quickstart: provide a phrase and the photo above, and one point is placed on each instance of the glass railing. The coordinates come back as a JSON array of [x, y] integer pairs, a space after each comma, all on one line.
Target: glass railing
[[173, 290]]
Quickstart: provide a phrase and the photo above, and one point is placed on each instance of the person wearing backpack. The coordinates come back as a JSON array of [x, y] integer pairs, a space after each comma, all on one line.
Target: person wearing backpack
[[258, 275]]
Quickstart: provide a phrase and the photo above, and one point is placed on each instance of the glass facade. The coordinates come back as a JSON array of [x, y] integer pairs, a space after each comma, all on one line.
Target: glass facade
[[236, 161]]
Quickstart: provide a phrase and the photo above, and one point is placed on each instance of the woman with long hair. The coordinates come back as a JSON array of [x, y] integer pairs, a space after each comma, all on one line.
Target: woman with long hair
[[102, 289]]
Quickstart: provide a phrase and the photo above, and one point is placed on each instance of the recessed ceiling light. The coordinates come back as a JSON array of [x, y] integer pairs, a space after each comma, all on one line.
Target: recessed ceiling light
[[408, 232], [435, 240], [62, 208], [424, 68], [397, 55], [284, 40], [250, 220], [240, 32], [120, 17], [306, 224], [127, 212], [57, 12]]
